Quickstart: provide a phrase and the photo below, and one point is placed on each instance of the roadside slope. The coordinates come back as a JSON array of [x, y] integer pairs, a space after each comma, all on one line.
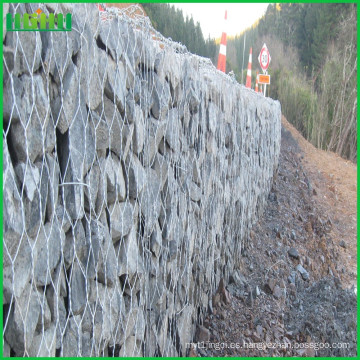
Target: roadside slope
[[334, 188], [294, 285]]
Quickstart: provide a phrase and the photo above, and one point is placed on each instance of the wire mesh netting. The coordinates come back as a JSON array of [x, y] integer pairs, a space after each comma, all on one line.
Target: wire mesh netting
[[132, 172]]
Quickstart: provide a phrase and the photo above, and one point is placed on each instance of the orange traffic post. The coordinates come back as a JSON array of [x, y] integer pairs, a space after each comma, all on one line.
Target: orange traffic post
[[222, 53], [248, 75], [100, 8], [257, 81]]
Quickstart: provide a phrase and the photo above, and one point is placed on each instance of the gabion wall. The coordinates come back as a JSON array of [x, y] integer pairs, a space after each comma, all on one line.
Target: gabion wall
[[132, 174]]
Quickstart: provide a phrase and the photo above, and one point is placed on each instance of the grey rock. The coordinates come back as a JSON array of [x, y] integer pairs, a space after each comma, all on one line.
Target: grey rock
[[168, 65], [136, 176], [162, 330], [53, 170], [17, 267], [108, 315], [131, 348], [170, 349], [202, 334], [92, 179], [172, 135], [107, 261], [58, 313], [304, 274], [343, 244], [149, 201], [66, 107], [59, 280], [116, 189], [23, 319], [212, 116], [160, 165], [173, 250], [27, 46], [101, 130], [194, 191], [45, 316], [6, 348], [48, 251], [293, 253], [193, 101], [115, 85], [77, 290], [139, 131], [147, 53], [101, 200], [43, 344], [13, 225], [155, 132], [161, 97], [196, 175], [74, 162], [76, 245], [135, 321], [9, 61], [129, 259], [184, 328], [97, 235], [156, 241], [129, 37], [43, 186], [114, 134], [108, 111], [129, 68], [90, 151], [72, 338], [34, 180], [29, 176], [86, 342], [29, 115], [57, 58], [143, 96], [121, 220], [62, 217], [278, 292], [5, 11], [292, 277], [113, 44], [86, 18], [92, 65], [130, 106]]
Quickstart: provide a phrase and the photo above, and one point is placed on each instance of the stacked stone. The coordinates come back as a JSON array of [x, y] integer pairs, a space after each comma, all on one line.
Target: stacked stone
[[132, 176]]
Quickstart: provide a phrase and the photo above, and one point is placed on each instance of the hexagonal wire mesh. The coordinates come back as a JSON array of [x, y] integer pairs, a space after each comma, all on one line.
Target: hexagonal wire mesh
[[120, 205]]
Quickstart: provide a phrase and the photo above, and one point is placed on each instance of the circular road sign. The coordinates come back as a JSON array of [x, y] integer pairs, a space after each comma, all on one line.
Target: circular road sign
[[264, 58]]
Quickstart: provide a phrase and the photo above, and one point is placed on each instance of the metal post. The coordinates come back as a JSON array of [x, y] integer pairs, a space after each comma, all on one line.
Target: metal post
[[242, 67], [265, 84]]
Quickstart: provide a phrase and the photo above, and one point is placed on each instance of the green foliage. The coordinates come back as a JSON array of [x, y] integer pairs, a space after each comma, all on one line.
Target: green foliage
[[298, 101], [171, 23], [313, 69]]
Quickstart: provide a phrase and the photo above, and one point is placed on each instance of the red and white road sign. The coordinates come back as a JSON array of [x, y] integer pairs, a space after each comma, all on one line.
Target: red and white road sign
[[264, 58]]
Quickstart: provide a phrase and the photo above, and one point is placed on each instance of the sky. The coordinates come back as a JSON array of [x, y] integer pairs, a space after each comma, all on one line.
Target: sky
[[211, 16]]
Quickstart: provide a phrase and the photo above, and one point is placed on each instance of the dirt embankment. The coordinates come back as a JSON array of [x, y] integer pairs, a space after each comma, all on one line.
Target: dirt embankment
[[296, 286], [335, 185]]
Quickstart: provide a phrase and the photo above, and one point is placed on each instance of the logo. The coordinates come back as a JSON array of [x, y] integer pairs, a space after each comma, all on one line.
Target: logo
[[38, 21]]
